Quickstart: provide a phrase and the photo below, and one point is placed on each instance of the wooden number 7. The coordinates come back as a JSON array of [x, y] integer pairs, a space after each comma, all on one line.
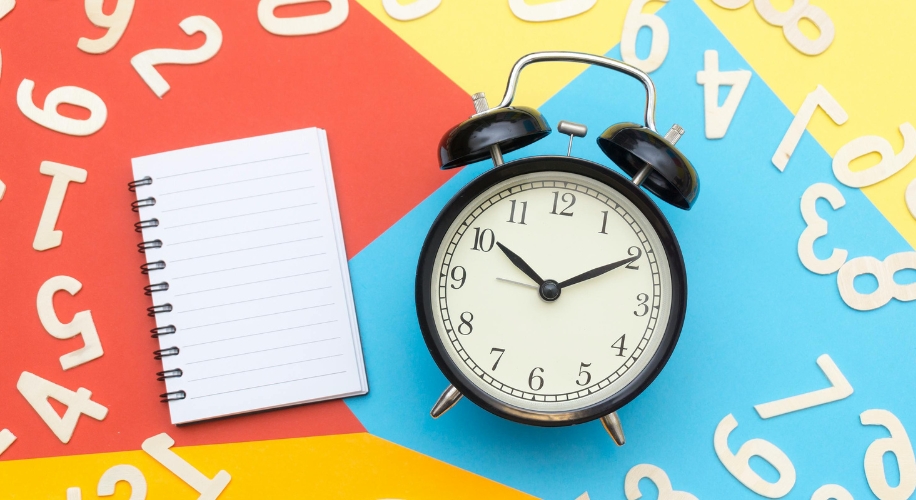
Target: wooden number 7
[[840, 389], [819, 97], [209, 489]]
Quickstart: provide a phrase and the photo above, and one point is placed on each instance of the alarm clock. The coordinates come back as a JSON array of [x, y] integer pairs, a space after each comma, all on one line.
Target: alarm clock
[[551, 290]]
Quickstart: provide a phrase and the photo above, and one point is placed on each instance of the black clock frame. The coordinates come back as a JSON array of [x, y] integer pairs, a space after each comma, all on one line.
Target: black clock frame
[[466, 195]]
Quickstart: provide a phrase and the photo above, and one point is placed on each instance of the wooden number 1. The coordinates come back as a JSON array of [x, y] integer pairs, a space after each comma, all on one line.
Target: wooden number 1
[[209, 489], [819, 97], [839, 389]]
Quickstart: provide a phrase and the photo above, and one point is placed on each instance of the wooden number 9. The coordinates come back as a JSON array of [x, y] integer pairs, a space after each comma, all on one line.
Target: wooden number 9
[[658, 477], [48, 116], [817, 227], [738, 464], [884, 272], [305, 25], [116, 22], [634, 21], [898, 444], [145, 62]]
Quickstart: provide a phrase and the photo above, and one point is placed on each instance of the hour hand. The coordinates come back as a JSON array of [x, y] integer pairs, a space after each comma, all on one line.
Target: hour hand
[[520, 263], [598, 271]]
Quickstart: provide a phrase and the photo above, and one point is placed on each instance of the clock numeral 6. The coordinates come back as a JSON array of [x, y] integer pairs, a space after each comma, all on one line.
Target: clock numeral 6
[[466, 322], [644, 302], [582, 371], [456, 277], [483, 240], [539, 380], [566, 198]]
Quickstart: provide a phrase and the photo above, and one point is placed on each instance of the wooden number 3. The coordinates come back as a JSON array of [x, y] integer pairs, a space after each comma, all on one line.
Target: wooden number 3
[[657, 476], [144, 62]]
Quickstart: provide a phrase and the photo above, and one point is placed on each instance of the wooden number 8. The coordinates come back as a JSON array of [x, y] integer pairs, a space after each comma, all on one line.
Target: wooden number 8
[[789, 20], [658, 477], [884, 272]]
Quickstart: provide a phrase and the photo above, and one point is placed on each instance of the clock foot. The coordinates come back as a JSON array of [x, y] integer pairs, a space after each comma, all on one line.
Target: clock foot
[[446, 401], [612, 425]]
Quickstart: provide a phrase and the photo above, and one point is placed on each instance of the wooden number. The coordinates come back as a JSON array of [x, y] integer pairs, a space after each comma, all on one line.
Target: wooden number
[[81, 324], [731, 4], [631, 25], [839, 389], [549, 11], [817, 227], [658, 477], [789, 20], [738, 464], [116, 22], [305, 25], [2, 189], [145, 62], [6, 439], [583, 496], [48, 116], [898, 444], [819, 97], [884, 272], [37, 390], [889, 165], [209, 489], [411, 11], [46, 237], [106, 488], [719, 118], [910, 198], [6, 6], [831, 492]]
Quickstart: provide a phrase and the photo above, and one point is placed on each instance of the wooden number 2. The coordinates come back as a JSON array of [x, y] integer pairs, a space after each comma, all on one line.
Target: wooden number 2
[[818, 97], [145, 62], [632, 24], [305, 25], [549, 11], [738, 464], [889, 165], [209, 489], [81, 324], [884, 272], [116, 22], [411, 11], [839, 389], [898, 444], [48, 116], [106, 488], [817, 227], [37, 390], [657, 476]]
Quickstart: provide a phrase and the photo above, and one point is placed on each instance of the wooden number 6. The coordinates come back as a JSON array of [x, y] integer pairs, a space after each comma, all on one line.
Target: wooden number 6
[[817, 227], [305, 25], [634, 21], [48, 116], [898, 444], [738, 464], [657, 476], [144, 62]]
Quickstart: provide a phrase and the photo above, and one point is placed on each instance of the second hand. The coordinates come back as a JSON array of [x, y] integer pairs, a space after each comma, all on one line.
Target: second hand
[[518, 283]]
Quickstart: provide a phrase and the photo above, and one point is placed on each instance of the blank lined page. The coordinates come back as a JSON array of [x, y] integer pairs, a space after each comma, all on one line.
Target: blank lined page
[[257, 275]]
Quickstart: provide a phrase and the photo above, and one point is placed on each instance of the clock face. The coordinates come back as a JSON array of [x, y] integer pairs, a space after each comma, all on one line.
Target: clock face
[[552, 293]]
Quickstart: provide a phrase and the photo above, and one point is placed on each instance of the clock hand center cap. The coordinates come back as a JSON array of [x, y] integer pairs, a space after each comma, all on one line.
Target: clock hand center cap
[[549, 290]]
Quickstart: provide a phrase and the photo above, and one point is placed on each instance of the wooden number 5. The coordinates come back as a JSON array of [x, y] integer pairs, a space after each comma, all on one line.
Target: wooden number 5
[[305, 25], [657, 476], [144, 62], [106, 488], [81, 324]]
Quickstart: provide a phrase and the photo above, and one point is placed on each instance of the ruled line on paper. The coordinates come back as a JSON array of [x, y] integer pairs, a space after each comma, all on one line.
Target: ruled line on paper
[[244, 232], [262, 350], [251, 265], [251, 283], [240, 215], [185, 346], [232, 182], [245, 249], [253, 300], [261, 316], [263, 368], [267, 385], [229, 166], [238, 199]]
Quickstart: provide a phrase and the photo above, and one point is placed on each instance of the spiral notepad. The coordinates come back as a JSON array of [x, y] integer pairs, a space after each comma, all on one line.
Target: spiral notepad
[[248, 276]]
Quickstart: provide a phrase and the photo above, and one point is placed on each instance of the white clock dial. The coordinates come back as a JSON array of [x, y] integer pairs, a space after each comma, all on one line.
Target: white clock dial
[[572, 352]]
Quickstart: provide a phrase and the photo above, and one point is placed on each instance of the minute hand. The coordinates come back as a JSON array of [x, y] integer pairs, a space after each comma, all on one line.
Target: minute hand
[[598, 271]]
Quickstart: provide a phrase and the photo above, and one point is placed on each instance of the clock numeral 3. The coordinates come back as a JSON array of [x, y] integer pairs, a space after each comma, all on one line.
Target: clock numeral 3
[[466, 322], [619, 345], [634, 252], [644, 302], [566, 198], [582, 371], [501, 352], [482, 241], [521, 220], [532, 378], [461, 278]]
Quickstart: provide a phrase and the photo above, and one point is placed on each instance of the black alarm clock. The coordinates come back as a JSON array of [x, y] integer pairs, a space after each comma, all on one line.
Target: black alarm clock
[[551, 290]]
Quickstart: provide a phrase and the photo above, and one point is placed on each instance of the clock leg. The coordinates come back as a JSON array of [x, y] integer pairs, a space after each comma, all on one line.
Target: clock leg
[[446, 401], [612, 425]]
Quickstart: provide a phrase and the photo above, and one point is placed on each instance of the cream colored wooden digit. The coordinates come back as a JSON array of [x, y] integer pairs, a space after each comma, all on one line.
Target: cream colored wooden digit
[[209, 489], [840, 388], [6, 440], [305, 25], [819, 97], [550, 11], [411, 11], [145, 62], [2, 189], [731, 4], [46, 237], [884, 272], [778, 18], [802, 43], [37, 390], [127, 473], [738, 464], [889, 165], [631, 25], [899, 444], [116, 22], [6, 6], [81, 324], [48, 116], [657, 476], [74, 493], [831, 492], [719, 118], [910, 197], [583, 496], [817, 227]]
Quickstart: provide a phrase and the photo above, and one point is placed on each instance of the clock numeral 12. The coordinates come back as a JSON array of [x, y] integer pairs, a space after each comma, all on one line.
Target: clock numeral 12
[[566, 198], [524, 205], [480, 237]]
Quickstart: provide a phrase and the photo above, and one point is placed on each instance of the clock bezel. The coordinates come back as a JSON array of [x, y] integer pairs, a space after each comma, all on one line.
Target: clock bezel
[[468, 194]]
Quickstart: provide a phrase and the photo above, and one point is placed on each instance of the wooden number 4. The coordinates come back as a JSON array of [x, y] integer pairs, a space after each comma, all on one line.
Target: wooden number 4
[[37, 390], [839, 389], [718, 118], [819, 97], [159, 446]]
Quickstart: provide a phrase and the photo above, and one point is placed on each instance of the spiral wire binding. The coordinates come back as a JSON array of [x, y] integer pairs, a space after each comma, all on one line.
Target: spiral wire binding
[[149, 290]]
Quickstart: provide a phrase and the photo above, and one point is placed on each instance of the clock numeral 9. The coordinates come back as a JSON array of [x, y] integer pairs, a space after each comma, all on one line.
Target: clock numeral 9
[[644, 302], [461, 278], [540, 380], [466, 322], [483, 242], [501, 352], [521, 220], [634, 252], [582, 371], [566, 198]]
